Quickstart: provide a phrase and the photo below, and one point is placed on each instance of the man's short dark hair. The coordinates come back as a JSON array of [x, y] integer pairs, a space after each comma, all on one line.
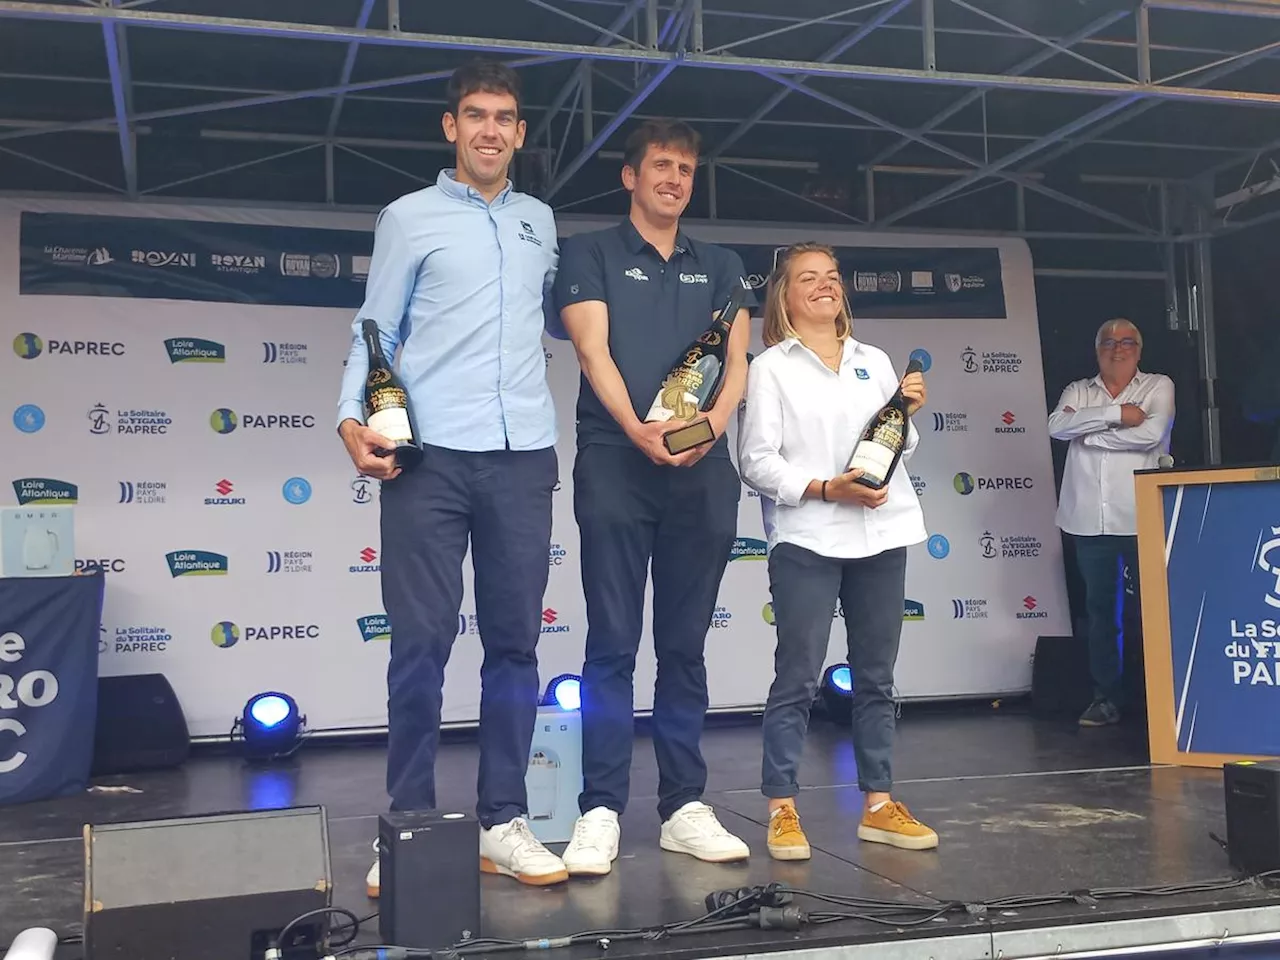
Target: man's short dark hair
[[482, 76], [672, 134]]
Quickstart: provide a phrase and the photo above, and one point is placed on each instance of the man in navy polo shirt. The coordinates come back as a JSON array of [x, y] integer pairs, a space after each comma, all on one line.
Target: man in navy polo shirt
[[456, 284], [632, 298]]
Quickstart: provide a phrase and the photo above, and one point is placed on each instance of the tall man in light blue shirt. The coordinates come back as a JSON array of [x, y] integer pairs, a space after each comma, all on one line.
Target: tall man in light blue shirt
[[456, 286]]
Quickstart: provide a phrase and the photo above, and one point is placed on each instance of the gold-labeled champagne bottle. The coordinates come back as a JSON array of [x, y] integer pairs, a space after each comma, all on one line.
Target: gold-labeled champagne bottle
[[386, 404], [880, 447], [693, 383]]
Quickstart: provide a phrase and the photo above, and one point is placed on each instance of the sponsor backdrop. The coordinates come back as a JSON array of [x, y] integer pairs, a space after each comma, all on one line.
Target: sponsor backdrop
[[173, 372]]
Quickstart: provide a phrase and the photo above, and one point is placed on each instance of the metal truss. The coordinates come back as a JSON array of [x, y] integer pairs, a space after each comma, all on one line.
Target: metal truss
[[658, 37]]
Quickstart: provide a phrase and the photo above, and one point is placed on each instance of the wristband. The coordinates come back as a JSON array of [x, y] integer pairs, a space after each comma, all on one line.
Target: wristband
[[824, 492]]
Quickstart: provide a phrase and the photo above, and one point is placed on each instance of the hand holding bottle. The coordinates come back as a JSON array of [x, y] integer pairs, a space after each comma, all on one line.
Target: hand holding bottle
[[846, 489], [647, 435], [362, 445], [913, 391]]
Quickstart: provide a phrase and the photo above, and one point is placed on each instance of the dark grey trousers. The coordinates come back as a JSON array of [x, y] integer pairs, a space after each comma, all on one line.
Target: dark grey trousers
[[805, 587]]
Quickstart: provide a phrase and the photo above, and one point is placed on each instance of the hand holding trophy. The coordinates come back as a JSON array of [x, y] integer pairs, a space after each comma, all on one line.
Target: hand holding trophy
[[693, 384]]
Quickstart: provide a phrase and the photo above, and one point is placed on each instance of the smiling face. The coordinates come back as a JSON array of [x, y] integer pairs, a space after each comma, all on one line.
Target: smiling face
[[660, 189], [487, 132], [1119, 351], [815, 292]]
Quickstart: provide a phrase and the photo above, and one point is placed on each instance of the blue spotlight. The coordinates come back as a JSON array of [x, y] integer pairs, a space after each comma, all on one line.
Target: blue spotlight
[[840, 679], [565, 691], [836, 692], [270, 726]]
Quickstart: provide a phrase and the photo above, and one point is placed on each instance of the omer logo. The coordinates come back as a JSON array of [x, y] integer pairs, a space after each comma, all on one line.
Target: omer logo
[[376, 626], [32, 689], [196, 563], [195, 350], [34, 491], [748, 548]]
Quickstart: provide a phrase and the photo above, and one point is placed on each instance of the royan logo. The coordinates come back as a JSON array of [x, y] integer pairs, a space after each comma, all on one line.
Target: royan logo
[[290, 353], [1030, 610], [289, 561], [720, 618], [376, 626], [556, 555], [38, 491], [970, 609], [31, 689], [966, 483], [921, 354], [227, 630], [141, 640], [362, 490], [1272, 597], [28, 418], [132, 422], [143, 491], [238, 263], [224, 488], [105, 564], [368, 562], [1008, 424], [748, 548], [193, 350], [28, 346], [912, 610], [197, 563], [225, 420], [950, 422], [551, 622], [163, 258], [939, 546], [296, 490]]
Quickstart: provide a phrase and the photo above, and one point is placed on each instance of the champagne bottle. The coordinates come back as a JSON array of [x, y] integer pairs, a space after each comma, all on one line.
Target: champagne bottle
[[386, 404], [693, 384], [880, 446]]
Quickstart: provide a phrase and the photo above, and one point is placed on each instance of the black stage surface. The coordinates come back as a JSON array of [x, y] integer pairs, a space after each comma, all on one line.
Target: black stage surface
[[1022, 806]]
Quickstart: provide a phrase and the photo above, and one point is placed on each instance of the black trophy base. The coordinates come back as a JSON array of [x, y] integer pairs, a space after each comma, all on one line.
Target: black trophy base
[[686, 438]]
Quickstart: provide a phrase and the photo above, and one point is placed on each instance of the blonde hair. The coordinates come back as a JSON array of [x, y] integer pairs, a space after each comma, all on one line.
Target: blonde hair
[[777, 322]]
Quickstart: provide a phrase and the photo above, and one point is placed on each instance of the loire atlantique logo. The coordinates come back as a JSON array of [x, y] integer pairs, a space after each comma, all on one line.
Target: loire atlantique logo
[[195, 350], [912, 610], [197, 563], [376, 626], [40, 491], [748, 548]]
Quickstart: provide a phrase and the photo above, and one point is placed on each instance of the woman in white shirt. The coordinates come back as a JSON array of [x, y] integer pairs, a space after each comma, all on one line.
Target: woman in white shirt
[[809, 395]]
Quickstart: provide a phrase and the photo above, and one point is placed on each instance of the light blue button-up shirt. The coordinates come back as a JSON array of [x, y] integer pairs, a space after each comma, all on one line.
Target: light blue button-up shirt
[[457, 286]]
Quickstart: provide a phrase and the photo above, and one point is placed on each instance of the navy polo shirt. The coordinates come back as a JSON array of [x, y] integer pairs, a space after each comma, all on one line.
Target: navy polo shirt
[[657, 308]]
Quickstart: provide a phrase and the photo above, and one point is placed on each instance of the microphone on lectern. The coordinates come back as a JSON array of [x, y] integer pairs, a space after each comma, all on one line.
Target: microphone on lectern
[[34, 943], [1164, 461]]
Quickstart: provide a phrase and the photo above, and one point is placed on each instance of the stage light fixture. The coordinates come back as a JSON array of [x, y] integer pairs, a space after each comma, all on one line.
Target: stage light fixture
[[836, 692], [839, 678], [270, 727], [565, 692]]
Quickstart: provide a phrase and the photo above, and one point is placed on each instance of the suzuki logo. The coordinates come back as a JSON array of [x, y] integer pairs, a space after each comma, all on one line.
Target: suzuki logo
[[1029, 602], [549, 615], [223, 487], [1008, 418], [1272, 599], [368, 554]]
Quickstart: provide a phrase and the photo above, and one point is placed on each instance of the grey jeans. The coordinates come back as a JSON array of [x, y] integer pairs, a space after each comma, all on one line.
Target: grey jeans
[[805, 587]]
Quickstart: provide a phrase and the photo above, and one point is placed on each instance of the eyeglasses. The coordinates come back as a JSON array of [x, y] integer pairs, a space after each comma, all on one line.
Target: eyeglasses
[[1111, 343]]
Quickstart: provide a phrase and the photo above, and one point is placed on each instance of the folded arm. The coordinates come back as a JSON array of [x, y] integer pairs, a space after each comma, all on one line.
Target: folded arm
[[1151, 433], [760, 458], [1070, 420]]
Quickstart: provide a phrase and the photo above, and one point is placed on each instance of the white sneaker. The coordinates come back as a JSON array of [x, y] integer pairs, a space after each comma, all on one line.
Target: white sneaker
[[373, 880], [594, 846], [512, 850], [694, 829]]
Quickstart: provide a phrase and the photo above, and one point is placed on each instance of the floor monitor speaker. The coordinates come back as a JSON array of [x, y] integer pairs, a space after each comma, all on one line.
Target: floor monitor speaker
[[141, 725]]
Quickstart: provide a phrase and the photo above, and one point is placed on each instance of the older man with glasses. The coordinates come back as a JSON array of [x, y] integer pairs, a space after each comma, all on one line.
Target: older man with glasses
[[1115, 423]]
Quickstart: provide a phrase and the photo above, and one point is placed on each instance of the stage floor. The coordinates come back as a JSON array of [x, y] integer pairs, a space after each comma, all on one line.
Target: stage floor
[[1022, 806]]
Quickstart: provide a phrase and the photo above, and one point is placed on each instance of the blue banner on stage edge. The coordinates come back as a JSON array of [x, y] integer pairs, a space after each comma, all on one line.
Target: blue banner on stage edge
[[48, 684]]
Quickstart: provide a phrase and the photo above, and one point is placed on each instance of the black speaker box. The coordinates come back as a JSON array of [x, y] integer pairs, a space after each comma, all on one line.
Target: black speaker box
[[1253, 815], [205, 888], [141, 725], [1061, 686], [429, 864]]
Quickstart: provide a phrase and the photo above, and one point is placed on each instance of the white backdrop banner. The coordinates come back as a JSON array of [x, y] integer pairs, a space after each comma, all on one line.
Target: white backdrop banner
[[174, 373]]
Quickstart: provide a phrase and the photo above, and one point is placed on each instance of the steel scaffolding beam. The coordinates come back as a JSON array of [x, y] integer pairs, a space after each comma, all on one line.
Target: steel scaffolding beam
[[113, 37], [348, 66], [1121, 91]]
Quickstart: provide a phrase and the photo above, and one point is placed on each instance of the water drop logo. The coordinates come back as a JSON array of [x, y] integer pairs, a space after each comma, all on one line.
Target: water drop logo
[[28, 346], [939, 546], [963, 483], [921, 354], [297, 490], [28, 418], [225, 634], [223, 420]]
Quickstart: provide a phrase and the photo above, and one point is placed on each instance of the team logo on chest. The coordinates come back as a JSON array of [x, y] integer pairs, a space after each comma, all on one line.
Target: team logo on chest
[[528, 234], [635, 273]]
